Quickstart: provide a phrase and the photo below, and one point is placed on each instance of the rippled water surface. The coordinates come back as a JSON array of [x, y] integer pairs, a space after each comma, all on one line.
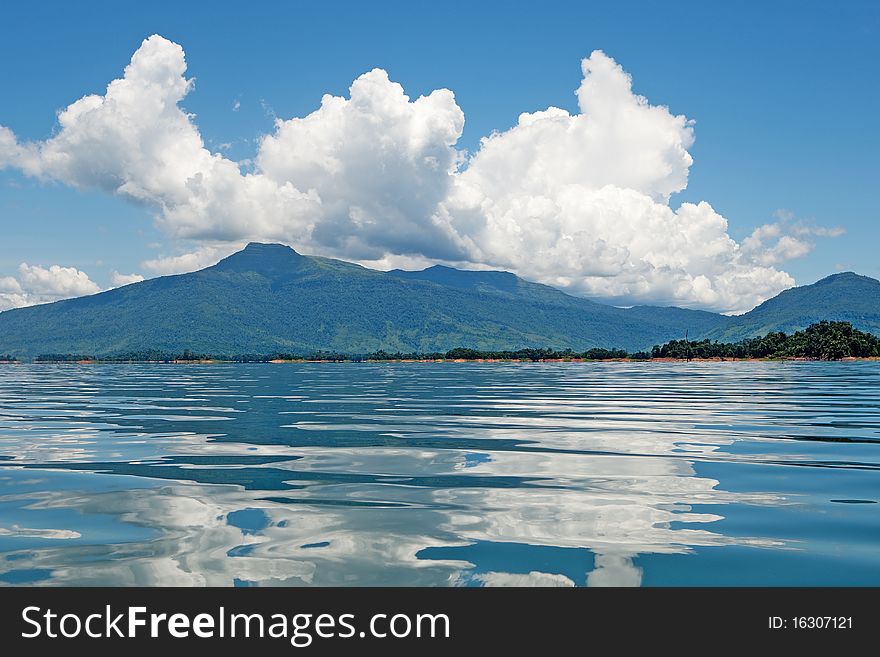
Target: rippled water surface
[[441, 474]]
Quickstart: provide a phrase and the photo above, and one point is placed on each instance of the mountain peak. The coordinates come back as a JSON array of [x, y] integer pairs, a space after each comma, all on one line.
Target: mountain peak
[[267, 259], [462, 278], [844, 297], [268, 248], [846, 277]]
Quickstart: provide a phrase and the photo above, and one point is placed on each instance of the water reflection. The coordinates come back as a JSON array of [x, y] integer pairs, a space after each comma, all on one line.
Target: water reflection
[[439, 474]]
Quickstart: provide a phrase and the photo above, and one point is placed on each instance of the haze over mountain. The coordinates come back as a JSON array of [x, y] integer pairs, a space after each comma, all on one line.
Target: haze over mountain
[[268, 298]]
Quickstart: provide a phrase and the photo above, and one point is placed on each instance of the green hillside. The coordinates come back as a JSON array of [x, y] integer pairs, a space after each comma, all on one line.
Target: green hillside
[[845, 297], [268, 298]]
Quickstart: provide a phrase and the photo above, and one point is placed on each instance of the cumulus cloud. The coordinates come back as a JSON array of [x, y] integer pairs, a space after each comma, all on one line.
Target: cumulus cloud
[[118, 280], [137, 142], [56, 281], [202, 257], [786, 239], [380, 163], [580, 201], [36, 284], [11, 293]]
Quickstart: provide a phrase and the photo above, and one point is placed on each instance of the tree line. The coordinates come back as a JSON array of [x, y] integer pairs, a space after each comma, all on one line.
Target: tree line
[[821, 341]]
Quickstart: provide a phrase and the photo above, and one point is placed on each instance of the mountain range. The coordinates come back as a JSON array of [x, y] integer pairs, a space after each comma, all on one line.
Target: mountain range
[[267, 298]]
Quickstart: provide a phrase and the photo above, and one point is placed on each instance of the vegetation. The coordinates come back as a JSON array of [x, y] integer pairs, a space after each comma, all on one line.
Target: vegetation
[[845, 297], [459, 353], [821, 341], [267, 299]]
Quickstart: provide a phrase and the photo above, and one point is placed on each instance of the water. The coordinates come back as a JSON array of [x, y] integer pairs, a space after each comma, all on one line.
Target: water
[[441, 474]]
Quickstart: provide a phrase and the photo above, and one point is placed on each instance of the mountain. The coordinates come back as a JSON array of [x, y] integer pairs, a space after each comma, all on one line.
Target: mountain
[[845, 297], [463, 279], [268, 298]]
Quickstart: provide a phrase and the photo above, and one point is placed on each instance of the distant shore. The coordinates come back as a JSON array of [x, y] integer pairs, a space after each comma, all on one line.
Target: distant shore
[[823, 341], [217, 361]]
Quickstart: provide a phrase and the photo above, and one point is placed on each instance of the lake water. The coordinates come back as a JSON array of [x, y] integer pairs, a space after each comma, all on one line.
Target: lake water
[[460, 474]]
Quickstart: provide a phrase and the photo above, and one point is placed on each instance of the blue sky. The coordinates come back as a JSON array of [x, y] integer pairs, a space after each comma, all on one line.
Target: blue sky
[[784, 96]]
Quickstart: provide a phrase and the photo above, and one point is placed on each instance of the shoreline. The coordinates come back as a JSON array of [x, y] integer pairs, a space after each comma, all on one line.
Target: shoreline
[[822, 341], [221, 361]]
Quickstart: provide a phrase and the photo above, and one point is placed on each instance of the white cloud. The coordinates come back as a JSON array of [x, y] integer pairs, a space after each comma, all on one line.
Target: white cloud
[[758, 249], [617, 139], [380, 163], [202, 257], [56, 281], [10, 151], [533, 578], [9, 285], [11, 293], [37, 284], [580, 201], [118, 280], [822, 231], [137, 142], [783, 240]]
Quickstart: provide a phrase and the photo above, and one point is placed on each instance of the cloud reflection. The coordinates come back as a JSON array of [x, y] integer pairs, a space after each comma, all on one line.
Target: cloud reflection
[[377, 475]]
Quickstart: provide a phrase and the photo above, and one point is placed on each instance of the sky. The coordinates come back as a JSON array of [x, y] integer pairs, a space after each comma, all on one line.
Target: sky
[[679, 153]]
